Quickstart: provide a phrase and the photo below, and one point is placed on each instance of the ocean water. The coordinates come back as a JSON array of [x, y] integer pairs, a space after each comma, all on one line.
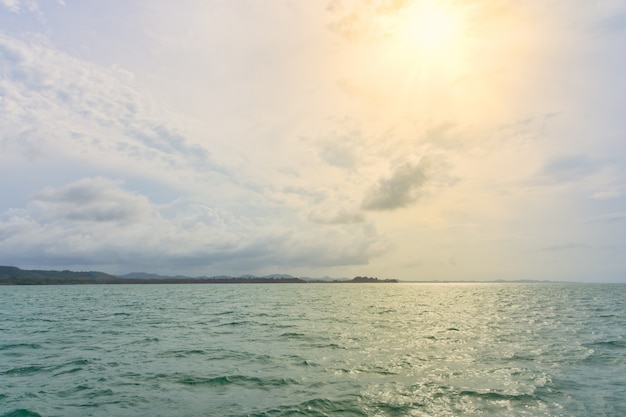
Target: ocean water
[[313, 350]]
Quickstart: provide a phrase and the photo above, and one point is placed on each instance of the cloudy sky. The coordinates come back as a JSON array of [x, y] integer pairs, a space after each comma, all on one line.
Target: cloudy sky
[[409, 139]]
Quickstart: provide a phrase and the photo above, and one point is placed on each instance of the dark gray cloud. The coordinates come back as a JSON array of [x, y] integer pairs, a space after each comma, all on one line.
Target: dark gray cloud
[[617, 217], [564, 247], [335, 216], [92, 200], [339, 155], [614, 24], [568, 169], [398, 190]]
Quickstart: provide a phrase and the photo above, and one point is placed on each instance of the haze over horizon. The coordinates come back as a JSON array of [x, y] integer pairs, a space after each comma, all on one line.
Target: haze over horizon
[[406, 139]]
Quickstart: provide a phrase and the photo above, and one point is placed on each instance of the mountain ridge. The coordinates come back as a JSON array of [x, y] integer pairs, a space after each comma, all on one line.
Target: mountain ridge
[[11, 275]]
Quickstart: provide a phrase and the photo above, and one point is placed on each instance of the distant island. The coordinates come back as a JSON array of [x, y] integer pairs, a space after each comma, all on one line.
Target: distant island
[[11, 275]]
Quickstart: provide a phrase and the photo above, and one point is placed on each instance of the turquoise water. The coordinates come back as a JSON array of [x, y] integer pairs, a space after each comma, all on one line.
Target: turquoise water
[[313, 350]]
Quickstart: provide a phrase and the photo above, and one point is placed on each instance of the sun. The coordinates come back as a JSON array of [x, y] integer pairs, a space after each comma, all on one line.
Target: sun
[[430, 26]]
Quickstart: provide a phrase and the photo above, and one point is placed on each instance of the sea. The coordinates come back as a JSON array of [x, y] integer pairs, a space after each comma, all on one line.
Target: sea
[[382, 349]]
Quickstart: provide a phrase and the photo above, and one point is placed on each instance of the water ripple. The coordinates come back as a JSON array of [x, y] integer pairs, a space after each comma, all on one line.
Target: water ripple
[[314, 350]]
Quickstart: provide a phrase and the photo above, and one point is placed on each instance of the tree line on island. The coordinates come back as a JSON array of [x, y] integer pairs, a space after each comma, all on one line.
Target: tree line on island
[[10, 275]]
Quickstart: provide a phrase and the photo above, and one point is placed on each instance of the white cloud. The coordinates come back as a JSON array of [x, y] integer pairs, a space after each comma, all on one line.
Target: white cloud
[[95, 221], [220, 137], [69, 107], [17, 5], [12, 5]]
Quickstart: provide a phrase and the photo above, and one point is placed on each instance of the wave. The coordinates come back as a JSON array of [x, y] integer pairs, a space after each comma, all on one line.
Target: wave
[[240, 380], [293, 335], [21, 413], [236, 323], [25, 370], [497, 396], [318, 407], [182, 353], [613, 344], [20, 346]]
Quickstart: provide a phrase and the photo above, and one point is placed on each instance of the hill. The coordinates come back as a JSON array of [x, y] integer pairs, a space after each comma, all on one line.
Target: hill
[[10, 275]]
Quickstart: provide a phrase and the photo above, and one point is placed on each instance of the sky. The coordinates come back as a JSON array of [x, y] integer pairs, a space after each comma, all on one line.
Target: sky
[[406, 139]]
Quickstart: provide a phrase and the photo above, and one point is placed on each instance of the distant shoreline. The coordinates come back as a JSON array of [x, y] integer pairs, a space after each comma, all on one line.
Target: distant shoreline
[[10, 275]]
